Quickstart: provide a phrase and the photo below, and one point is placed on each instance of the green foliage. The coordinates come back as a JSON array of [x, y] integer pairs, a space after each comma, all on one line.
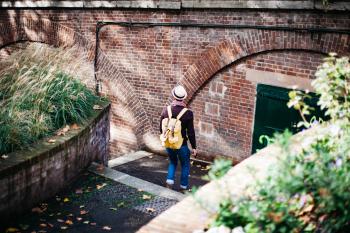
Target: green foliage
[[219, 168], [38, 97], [333, 85], [229, 216], [297, 101], [268, 139], [309, 189]]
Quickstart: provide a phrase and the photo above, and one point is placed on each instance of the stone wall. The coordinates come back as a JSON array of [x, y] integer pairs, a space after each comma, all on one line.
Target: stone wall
[[30, 176], [138, 66]]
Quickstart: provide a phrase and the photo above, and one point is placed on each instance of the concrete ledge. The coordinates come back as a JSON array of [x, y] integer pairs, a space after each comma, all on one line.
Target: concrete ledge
[[342, 5], [279, 80], [128, 158], [248, 4]]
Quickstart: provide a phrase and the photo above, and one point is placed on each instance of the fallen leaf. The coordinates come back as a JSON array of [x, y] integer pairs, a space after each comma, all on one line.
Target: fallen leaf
[[86, 222], [60, 220], [307, 209], [11, 229], [97, 107], [114, 209], [79, 219], [93, 224], [100, 167], [140, 190], [43, 225], [82, 206], [322, 218], [121, 204], [69, 222], [146, 197], [66, 129], [78, 191], [51, 141], [50, 225], [64, 227], [306, 219], [324, 192], [276, 217], [150, 210], [66, 199], [70, 215], [83, 212], [58, 214], [100, 186], [4, 156], [24, 226], [75, 126], [107, 228], [63, 131], [37, 210]]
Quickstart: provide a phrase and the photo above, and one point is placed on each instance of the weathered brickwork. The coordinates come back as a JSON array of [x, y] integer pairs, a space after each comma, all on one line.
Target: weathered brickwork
[[229, 132], [138, 66]]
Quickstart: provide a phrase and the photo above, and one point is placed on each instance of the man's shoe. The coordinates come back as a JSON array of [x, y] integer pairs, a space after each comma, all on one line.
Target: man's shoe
[[183, 189]]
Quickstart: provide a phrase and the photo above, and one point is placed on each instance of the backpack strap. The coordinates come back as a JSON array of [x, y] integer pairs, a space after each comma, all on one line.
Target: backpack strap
[[170, 114], [183, 111]]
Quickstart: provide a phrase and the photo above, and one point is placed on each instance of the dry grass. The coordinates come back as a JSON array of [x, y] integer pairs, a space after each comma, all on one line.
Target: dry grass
[[38, 94]]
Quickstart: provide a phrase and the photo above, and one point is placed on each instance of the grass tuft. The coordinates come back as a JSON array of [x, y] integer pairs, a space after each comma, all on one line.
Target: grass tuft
[[41, 90]]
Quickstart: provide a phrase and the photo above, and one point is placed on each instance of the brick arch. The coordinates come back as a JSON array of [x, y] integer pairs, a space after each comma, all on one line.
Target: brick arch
[[253, 42], [55, 34]]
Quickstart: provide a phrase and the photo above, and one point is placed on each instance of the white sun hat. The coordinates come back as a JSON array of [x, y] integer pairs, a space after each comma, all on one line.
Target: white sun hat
[[179, 92]]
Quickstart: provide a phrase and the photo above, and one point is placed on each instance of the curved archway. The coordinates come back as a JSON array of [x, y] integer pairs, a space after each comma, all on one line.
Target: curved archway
[[53, 33], [253, 42]]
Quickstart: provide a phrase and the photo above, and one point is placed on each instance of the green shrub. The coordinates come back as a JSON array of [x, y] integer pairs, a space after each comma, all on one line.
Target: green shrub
[[309, 190], [38, 95]]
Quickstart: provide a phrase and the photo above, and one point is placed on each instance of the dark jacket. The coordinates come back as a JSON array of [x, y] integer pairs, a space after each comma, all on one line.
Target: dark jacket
[[187, 128]]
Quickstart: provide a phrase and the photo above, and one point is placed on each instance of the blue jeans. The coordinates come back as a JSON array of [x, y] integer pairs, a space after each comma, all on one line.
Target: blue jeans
[[182, 154]]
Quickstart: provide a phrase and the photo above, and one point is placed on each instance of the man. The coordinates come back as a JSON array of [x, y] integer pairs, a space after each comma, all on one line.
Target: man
[[187, 131]]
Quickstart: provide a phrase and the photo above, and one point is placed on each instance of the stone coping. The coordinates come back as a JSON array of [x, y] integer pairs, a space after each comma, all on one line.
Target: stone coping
[[181, 4], [195, 212], [43, 149]]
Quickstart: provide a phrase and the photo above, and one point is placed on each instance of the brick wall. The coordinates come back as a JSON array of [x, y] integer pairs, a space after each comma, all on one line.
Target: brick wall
[[139, 66], [225, 105]]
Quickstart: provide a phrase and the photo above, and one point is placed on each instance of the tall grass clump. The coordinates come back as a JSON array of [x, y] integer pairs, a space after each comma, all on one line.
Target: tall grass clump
[[41, 90]]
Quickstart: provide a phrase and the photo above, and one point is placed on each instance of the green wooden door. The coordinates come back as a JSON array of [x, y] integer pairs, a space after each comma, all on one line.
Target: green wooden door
[[272, 114]]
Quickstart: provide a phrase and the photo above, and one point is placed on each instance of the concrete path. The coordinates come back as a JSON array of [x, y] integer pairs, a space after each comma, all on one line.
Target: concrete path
[[135, 182], [104, 199]]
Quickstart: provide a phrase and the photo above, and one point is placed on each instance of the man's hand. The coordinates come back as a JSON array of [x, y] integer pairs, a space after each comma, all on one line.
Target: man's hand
[[194, 153]]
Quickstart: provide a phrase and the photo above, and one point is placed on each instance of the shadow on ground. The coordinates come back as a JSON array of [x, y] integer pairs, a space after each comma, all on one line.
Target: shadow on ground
[[154, 169], [91, 204]]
